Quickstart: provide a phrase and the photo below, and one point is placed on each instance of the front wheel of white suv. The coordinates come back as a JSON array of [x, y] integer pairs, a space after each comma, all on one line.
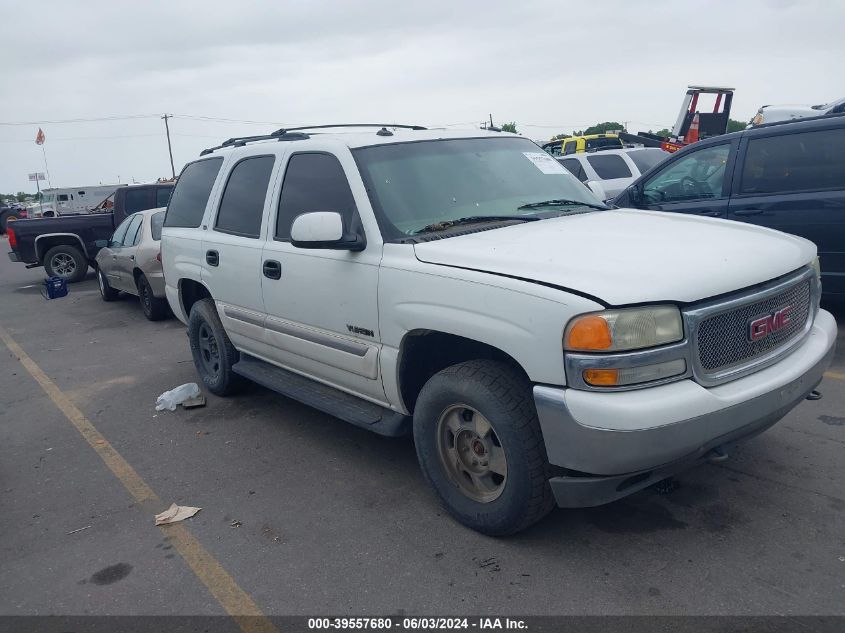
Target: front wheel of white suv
[[213, 352], [480, 447]]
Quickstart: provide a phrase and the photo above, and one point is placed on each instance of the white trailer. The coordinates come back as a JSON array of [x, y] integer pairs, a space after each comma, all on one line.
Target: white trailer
[[67, 200]]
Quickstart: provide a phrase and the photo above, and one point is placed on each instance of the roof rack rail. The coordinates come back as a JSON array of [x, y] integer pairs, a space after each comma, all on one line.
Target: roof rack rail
[[285, 130], [240, 141]]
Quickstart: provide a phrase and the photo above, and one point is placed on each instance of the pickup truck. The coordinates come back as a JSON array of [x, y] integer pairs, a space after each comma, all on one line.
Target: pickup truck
[[466, 288], [67, 245]]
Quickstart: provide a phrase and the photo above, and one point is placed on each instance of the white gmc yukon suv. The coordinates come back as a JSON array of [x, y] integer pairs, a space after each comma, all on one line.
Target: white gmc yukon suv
[[465, 287]]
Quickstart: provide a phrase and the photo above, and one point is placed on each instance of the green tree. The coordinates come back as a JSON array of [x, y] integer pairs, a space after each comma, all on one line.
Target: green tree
[[22, 195], [509, 127], [736, 126], [602, 128], [560, 136], [665, 132]]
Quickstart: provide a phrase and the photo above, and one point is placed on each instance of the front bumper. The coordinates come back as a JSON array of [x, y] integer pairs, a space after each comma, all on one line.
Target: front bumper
[[626, 441]]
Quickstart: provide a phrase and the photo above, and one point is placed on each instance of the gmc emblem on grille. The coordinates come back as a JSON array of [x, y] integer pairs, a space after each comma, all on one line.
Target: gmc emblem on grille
[[760, 328]]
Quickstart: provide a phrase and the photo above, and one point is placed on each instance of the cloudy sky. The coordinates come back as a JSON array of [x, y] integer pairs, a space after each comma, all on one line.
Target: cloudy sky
[[551, 66]]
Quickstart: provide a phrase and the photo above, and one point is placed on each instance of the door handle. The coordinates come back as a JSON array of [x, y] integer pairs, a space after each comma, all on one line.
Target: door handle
[[212, 258], [272, 269], [710, 214], [751, 211], [132, 257]]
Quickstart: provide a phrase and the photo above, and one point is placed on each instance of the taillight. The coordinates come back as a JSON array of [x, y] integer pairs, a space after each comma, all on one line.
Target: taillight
[[158, 257], [13, 241]]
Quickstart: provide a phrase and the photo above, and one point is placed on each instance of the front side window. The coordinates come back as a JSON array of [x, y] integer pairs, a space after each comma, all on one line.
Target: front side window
[[134, 230], [609, 166], [190, 197], [120, 232], [699, 175], [62, 197], [570, 147], [242, 206], [313, 182], [133, 233], [807, 161], [416, 185]]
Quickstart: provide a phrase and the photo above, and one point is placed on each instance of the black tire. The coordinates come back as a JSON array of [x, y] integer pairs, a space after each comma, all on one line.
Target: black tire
[[155, 309], [67, 262], [107, 293], [213, 352], [503, 398]]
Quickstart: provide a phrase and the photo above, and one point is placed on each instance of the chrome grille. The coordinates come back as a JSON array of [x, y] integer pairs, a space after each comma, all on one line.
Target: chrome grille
[[723, 339]]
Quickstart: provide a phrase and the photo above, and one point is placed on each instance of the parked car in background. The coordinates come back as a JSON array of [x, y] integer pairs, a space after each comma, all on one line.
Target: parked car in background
[[614, 169], [776, 113], [463, 286], [788, 176], [130, 261], [11, 212], [66, 246], [587, 143]]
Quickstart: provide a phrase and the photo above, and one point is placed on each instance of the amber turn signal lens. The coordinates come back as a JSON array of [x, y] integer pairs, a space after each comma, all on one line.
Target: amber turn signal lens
[[601, 377], [589, 332]]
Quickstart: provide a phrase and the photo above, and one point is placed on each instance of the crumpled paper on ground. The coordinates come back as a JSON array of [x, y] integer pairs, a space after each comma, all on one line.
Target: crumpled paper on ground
[[170, 399], [176, 513]]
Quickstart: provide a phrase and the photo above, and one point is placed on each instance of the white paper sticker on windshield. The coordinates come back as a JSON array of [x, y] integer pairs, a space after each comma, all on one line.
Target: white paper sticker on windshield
[[544, 162]]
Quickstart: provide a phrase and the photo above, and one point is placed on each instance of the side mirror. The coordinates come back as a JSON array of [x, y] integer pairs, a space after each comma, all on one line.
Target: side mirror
[[323, 229], [635, 195], [101, 243], [597, 188]]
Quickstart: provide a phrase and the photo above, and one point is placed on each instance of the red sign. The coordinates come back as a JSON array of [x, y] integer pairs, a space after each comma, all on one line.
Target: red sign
[[39, 138]]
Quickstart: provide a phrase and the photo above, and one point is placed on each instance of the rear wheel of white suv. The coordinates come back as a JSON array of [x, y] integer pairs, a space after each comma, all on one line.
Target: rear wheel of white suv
[[213, 352], [480, 446]]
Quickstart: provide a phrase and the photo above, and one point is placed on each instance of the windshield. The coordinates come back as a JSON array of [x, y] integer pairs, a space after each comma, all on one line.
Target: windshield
[[647, 158], [415, 185]]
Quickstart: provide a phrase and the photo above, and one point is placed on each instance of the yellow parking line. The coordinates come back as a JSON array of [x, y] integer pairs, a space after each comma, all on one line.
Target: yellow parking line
[[222, 586], [837, 375]]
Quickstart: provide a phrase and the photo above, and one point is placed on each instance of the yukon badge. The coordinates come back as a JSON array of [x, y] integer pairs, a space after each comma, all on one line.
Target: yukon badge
[[761, 327]]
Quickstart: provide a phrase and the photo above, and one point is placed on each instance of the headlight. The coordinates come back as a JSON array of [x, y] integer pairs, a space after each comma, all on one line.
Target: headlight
[[626, 329]]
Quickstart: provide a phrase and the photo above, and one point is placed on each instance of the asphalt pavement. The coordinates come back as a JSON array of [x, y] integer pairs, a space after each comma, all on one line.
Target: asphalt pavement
[[307, 515]]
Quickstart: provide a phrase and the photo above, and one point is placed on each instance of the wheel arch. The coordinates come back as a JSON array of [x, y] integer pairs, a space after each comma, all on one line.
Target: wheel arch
[[191, 291], [45, 242], [423, 353]]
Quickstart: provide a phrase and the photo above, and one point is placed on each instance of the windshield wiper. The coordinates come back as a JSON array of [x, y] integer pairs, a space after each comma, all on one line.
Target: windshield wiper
[[474, 219], [561, 202]]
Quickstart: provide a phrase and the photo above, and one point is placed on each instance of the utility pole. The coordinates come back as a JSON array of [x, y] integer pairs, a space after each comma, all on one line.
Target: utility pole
[[169, 148]]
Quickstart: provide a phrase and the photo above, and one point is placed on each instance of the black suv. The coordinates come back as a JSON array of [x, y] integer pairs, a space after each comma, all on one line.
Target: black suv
[[788, 176]]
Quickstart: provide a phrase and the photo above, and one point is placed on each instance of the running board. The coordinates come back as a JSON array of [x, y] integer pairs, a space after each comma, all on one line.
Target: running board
[[327, 399]]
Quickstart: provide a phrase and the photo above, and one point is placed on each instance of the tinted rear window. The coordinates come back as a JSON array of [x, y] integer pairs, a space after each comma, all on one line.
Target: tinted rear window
[[187, 204], [595, 143], [645, 159], [242, 206], [609, 166], [575, 168], [795, 162], [156, 222], [162, 196]]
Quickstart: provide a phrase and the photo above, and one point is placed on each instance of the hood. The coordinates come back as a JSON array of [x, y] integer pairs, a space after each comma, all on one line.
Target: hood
[[627, 256]]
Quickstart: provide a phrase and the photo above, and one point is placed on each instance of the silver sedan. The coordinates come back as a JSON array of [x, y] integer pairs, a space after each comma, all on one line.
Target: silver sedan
[[131, 262]]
